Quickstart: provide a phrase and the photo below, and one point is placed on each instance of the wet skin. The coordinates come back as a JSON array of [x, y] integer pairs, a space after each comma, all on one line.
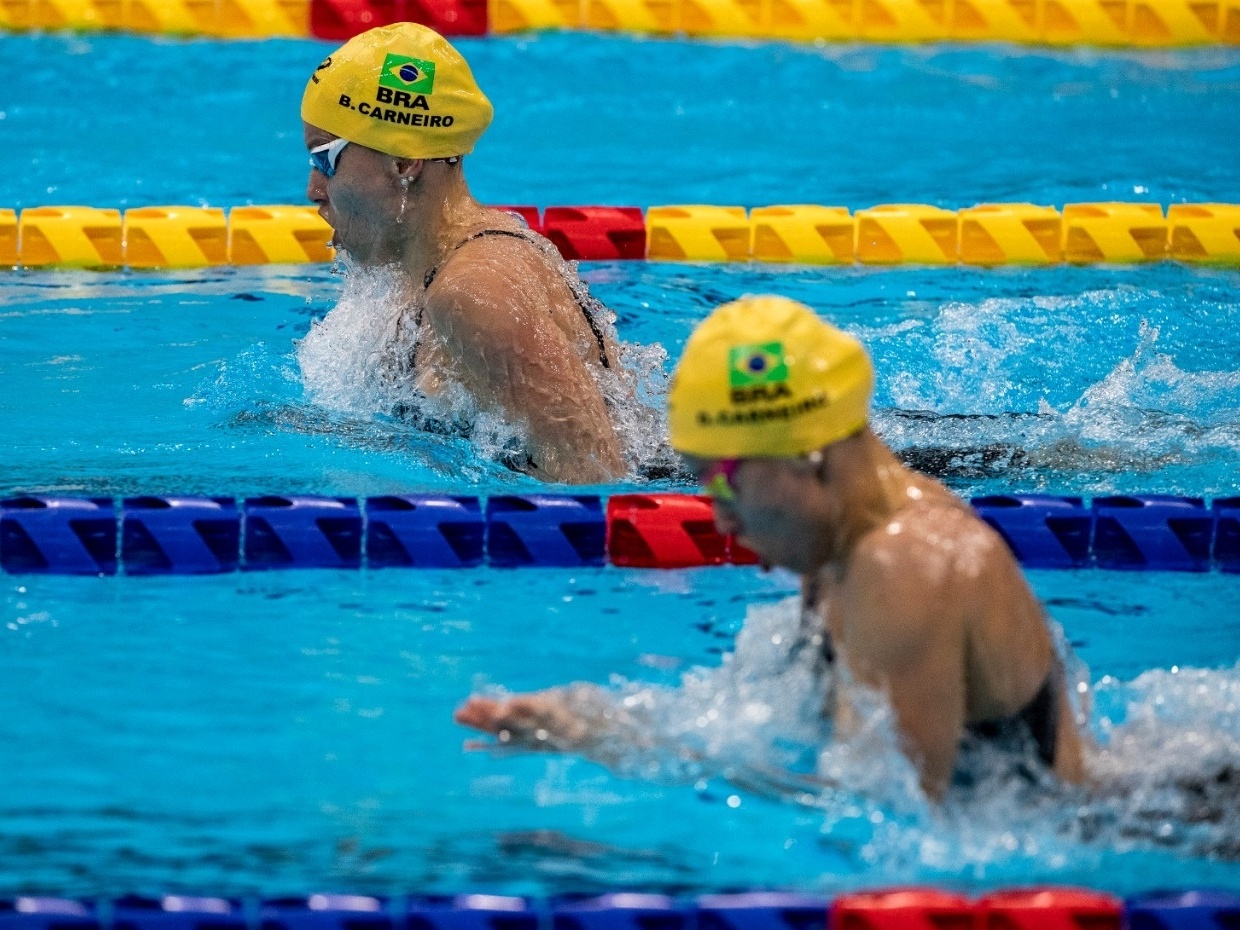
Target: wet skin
[[919, 598], [498, 318]]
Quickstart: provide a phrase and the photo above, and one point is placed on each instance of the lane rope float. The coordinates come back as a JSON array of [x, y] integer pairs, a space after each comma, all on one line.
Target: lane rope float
[[985, 235], [161, 535]]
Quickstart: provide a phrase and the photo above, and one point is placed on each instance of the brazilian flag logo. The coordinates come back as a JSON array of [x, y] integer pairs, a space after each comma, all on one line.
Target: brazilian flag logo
[[753, 365], [412, 75]]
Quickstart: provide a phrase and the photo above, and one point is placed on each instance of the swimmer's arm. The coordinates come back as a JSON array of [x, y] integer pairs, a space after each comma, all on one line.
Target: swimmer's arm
[[585, 720], [514, 359], [575, 718], [901, 636]]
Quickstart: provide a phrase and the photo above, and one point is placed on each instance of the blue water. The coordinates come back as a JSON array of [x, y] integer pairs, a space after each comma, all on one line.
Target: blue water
[[589, 119], [1091, 381], [292, 732]]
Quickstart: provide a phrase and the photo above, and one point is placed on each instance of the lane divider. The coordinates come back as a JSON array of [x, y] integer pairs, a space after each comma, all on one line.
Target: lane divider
[[226, 19], [1124, 23], [200, 535], [1046, 908], [162, 237], [888, 234]]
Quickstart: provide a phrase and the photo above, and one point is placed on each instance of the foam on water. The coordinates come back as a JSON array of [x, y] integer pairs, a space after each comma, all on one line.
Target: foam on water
[[1163, 758], [975, 414], [354, 362]]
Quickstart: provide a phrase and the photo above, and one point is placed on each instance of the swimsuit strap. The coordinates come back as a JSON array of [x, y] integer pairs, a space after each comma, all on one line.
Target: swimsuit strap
[[430, 275], [815, 625], [582, 297]]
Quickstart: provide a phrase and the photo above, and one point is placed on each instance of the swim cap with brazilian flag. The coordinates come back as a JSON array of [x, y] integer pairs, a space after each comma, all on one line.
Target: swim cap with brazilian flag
[[400, 89], [765, 377]]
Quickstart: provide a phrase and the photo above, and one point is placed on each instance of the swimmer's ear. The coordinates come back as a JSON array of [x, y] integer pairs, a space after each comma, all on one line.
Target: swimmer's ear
[[408, 169]]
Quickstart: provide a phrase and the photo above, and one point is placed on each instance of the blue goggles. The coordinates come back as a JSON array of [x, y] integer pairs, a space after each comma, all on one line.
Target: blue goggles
[[324, 157]]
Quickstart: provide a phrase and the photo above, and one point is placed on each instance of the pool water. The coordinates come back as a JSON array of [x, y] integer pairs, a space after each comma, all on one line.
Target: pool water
[[291, 732], [595, 119], [190, 382]]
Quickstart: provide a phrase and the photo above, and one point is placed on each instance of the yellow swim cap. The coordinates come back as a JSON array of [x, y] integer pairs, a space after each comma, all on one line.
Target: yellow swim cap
[[765, 377], [400, 89]]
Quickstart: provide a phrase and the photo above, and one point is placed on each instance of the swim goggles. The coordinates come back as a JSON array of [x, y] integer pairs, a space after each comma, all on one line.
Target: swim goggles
[[719, 481], [324, 157]]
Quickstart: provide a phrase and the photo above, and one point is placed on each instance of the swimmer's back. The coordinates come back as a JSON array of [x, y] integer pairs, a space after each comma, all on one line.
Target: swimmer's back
[[498, 317], [975, 631]]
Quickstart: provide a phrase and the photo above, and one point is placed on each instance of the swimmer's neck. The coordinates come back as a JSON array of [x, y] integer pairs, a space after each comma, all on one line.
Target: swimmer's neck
[[865, 486], [439, 212]]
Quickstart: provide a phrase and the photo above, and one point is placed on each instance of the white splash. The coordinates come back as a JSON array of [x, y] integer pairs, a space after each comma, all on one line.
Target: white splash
[[1147, 413], [1147, 395], [354, 361], [1163, 756], [346, 357]]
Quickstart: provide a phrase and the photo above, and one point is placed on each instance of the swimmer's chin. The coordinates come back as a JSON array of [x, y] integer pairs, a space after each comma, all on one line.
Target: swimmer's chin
[[333, 241], [343, 257]]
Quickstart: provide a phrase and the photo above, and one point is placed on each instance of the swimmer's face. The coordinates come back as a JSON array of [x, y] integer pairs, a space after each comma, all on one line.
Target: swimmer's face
[[362, 200], [765, 509]]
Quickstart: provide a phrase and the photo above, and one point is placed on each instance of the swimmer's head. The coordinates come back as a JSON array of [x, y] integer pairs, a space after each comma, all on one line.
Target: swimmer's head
[[764, 377], [402, 90]]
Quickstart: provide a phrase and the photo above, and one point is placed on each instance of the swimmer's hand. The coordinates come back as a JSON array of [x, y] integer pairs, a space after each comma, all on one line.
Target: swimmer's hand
[[582, 719], [545, 721]]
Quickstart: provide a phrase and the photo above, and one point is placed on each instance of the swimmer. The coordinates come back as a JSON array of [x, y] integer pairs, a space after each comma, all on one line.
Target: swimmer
[[488, 304], [904, 589]]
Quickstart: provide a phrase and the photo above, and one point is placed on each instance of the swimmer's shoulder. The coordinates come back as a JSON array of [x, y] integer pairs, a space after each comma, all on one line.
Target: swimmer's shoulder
[[910, 589], [932, 546], [493, 262], [484, 308], [895, 600], [480, 271]]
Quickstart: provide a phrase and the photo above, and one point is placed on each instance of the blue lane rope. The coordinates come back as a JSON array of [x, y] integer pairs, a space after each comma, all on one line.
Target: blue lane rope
[[1021, 909], [197, 535]]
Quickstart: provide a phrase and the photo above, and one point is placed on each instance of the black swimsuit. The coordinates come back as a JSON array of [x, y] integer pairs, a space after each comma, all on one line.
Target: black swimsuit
[[1038, 719]]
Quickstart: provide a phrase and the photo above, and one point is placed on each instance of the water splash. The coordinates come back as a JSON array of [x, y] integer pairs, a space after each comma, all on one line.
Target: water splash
[[1168, 759], [977, 415], [255, 372], [756, 716], [355, 361], [1164, 763], [346, 358], [1146, 394]]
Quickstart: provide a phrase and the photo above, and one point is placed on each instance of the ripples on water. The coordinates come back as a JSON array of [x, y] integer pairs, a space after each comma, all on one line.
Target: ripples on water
[[1164, 760], [1166, 753], [352, 364]]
